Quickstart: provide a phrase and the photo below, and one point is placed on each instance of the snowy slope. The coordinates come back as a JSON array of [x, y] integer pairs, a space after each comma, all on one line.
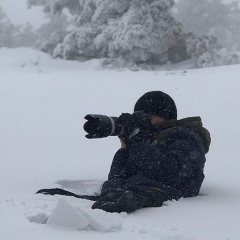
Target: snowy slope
[[42, 107]]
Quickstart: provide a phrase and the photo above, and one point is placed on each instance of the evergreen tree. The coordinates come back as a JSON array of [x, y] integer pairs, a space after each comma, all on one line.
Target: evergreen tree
[[25, 36], [208, 52], [146, 31], [53, 32], [6, 30], [139, 31], [16, 36], [211, 17]]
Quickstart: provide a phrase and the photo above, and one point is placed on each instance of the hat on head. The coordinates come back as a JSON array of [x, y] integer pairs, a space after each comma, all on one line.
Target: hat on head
[[157, 103]]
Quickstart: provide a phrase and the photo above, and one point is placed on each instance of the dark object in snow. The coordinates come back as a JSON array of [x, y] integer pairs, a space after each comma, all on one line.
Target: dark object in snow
[[59, 191], [148, 173], [127, 125], [133, 127]]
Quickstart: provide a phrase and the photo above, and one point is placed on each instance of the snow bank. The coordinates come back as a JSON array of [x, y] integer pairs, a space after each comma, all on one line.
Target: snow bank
[[42, 141], [26, 59], [68, 216]]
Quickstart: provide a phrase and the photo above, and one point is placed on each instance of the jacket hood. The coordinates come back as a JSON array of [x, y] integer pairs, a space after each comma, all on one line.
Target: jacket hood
[[194, 123]]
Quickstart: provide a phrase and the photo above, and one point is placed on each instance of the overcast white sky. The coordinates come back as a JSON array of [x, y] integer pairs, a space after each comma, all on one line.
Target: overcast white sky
[[18, 13]]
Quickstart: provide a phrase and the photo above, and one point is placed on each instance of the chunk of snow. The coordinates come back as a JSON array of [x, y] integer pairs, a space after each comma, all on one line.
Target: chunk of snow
[[65, 215]]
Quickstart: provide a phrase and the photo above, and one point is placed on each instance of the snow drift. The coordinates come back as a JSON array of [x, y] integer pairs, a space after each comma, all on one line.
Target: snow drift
[[42, 105]]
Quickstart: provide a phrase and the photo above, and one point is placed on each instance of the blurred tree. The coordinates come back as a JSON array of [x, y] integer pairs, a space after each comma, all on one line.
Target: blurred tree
[[53, 32], [146, 31], [6, 30], [140, 31], [25, 36], [211, 17]]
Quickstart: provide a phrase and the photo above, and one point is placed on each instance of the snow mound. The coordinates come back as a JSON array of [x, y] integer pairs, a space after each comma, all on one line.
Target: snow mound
[[41, 218], [65, 215], [68, 216], [43, 141], [34, 60]]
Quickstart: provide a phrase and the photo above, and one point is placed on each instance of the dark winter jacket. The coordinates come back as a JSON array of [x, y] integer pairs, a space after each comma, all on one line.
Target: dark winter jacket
[[169, 168]]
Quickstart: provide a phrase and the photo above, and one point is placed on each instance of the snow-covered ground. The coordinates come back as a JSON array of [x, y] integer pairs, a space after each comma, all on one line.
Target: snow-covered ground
[[42, 107]]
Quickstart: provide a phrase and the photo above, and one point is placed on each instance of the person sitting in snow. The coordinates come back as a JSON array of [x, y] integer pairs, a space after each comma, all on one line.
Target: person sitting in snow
[[156, 165], [164, 160]]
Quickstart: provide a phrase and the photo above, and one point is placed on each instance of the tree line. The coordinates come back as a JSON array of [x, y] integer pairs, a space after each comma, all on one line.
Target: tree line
[[137, 32]]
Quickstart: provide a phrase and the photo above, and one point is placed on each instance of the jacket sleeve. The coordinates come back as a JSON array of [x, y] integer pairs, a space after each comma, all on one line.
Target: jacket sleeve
[[184, 154], [172, 163], [118, 164]]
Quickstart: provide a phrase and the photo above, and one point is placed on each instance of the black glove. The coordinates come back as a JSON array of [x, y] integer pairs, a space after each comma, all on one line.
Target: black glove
[[136, 127]]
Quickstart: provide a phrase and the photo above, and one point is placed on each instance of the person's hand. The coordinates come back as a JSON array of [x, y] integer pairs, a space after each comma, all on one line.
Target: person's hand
[[136, 128], [129, 125]]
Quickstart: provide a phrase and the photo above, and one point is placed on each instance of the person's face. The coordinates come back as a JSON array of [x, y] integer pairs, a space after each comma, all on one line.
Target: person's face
[[156, 119]]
